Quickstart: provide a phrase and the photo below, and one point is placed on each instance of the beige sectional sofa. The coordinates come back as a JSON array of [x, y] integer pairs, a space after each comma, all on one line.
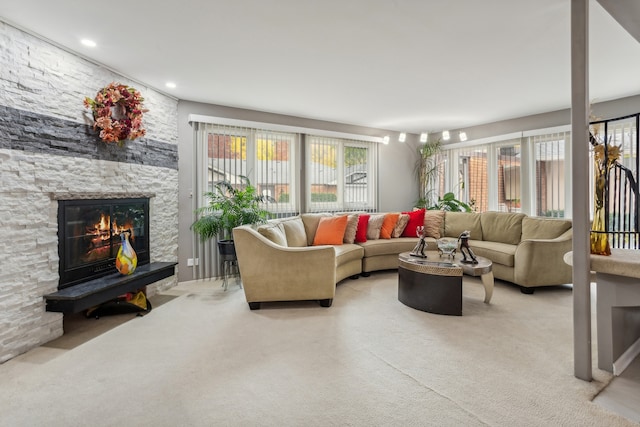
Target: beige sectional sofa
[[278, 261]]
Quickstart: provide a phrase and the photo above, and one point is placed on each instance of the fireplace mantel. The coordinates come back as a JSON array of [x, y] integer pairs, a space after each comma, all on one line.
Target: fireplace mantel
[[97, 291], [98, 195]]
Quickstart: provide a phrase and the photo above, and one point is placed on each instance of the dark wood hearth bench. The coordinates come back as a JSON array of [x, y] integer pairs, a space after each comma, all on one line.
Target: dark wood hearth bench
[[74, 299]]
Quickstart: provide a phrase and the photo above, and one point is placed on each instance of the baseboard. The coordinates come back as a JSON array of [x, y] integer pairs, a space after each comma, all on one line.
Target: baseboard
[[626, 358]]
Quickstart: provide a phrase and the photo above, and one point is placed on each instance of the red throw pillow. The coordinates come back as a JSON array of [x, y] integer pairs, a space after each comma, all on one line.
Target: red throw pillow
[[361, 232], [416, 218]]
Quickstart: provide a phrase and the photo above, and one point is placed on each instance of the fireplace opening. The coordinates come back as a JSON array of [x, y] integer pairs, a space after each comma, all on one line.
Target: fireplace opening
[[89, 236]]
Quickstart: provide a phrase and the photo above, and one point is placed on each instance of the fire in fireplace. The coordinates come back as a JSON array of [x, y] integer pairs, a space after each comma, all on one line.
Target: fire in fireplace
[[89, 236]]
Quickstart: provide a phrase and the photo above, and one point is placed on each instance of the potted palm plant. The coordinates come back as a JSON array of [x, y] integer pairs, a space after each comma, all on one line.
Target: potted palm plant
[[229, 207]]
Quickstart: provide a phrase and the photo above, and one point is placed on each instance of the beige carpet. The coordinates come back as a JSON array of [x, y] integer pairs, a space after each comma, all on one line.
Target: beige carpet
[[205, 359]]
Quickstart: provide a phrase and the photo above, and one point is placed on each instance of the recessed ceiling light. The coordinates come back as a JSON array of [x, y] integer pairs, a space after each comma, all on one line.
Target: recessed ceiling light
[[88, 43], [402, 137], [170, 85]]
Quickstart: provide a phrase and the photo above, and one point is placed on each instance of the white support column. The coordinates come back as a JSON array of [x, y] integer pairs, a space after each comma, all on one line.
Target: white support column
[[580, 185]]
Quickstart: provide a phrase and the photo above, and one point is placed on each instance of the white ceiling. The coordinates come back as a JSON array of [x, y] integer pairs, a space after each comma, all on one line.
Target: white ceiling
[[404, 65]]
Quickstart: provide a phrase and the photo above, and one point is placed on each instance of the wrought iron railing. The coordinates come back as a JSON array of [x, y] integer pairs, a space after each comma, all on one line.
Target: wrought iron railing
[[622, 201]]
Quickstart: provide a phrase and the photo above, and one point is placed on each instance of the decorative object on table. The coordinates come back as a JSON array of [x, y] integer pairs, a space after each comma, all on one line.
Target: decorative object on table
[[465, 250], [229, 206], [447, 247], [418, 251], [605, 157], [127, 259], [117, 111]]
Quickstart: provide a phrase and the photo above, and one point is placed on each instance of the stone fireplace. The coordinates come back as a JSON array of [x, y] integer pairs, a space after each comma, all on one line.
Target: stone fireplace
[[49, 153], [89, 237]]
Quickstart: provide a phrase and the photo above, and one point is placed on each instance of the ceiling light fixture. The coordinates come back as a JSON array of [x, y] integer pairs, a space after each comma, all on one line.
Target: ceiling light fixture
[[463, 136], [445, 135], [385, 140], [170, 85], [88, 43], [423, 137], [402, 137]]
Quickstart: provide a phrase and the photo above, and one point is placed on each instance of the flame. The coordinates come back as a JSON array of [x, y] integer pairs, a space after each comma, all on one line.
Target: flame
[[102, 228]]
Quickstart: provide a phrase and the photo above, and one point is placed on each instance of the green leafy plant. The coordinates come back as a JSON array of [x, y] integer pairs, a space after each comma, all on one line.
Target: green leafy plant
[[229, 207], [427, 171], [448, 202]]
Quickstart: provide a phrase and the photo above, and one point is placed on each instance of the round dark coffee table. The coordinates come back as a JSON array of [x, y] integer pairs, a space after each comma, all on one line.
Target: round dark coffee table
[[430, 285], [434, 284]]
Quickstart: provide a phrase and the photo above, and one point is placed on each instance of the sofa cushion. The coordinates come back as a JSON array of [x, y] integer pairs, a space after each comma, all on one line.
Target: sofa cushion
[[361, 231], [374, 226], [434, 223], [457, 222], [352, 227], [388, 225], [502, 227], [499, 253], [416, 218], [389, 247], [403, 219], [330, 230], [294, 230], [311, 221], [543, 228], [274, 232], [348, 252]]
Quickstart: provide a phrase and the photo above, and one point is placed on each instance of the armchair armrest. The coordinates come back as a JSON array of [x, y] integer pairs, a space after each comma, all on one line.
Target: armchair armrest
[[271, 272], [540, 262]]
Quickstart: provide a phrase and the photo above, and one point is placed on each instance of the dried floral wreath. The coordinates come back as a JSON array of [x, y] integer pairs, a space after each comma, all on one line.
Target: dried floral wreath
[[117, 111]]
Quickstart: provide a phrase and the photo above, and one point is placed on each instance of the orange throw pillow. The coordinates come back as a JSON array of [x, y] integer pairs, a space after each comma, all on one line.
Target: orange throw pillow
[[330, 230], [388, 225]]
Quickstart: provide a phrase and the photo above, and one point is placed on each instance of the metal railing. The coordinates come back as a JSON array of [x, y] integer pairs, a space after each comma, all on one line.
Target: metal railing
[[622, 201]]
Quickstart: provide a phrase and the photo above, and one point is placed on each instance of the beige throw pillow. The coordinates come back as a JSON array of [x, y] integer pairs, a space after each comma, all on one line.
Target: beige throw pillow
[[434, 223], [403, 220], [374, 226], [352, 226]]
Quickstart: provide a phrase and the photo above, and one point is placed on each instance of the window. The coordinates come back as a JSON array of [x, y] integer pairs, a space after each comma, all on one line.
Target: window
[[339, 174], [549, 158], [473, 178], [265, 157], [513, 173], [274, 176], [509, 188]]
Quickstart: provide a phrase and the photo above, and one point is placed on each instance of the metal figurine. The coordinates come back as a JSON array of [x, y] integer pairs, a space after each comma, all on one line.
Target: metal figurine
[[464, 245], [418, 251]]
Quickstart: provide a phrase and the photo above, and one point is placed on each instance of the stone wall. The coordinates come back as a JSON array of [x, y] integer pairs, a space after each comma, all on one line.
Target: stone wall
[[48, 148]]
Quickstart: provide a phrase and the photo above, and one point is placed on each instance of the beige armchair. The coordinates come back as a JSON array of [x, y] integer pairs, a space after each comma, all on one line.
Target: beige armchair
[[271, 272]]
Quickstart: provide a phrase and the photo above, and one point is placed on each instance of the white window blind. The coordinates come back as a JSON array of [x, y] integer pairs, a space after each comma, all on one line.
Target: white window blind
[[509, 171], [549, 157], [472, 185], [228, 153], [340, 174]]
